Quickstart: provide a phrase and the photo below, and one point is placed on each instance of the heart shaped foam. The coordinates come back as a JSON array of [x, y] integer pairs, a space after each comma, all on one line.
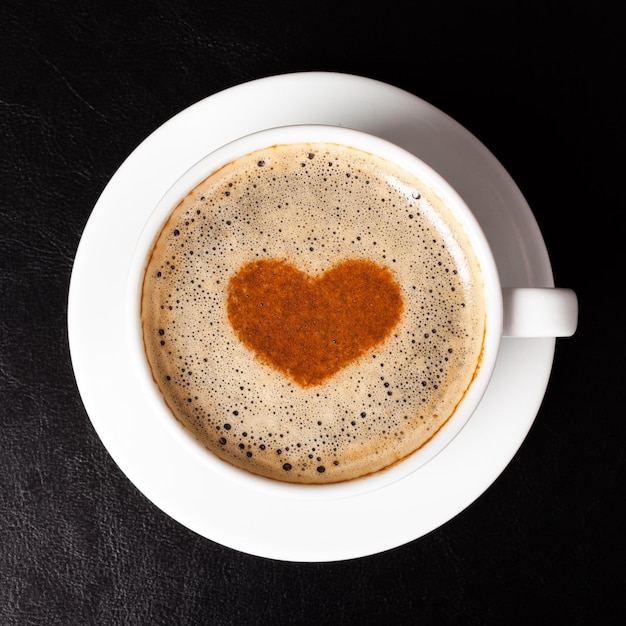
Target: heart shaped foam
[[309, 327]]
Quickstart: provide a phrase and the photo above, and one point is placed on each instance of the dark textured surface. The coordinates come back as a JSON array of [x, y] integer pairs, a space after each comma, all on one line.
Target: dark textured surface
[[82, 83]]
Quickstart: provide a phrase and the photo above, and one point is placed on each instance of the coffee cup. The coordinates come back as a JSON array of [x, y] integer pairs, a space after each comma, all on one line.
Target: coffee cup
[[316, 312]]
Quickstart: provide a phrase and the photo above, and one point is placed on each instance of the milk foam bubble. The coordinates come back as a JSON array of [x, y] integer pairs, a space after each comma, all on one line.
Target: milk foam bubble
[[313, 206]]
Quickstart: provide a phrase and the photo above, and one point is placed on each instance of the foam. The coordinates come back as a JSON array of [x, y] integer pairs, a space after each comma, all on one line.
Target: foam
[[313, 206]]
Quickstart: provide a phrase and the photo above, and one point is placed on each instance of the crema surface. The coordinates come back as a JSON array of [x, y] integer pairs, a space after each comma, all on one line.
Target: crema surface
[[317, 210]]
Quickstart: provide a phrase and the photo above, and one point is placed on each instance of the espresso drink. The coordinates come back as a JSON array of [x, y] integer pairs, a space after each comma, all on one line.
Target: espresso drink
[[312, 313]]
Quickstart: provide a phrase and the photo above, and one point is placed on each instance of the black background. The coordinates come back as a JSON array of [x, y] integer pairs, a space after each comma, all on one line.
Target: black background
[[82, 83]]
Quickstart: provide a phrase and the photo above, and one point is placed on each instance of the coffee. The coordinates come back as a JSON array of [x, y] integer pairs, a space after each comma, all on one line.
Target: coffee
[[312, 313]]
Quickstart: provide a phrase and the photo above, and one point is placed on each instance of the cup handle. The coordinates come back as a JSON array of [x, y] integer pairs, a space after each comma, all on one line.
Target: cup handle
[[539, 312]]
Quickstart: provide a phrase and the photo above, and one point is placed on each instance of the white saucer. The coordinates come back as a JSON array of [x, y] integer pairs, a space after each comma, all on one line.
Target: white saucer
[[185, 488]]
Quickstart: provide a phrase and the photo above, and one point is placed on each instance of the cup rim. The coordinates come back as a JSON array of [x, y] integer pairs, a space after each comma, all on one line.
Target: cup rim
[[342, 135]]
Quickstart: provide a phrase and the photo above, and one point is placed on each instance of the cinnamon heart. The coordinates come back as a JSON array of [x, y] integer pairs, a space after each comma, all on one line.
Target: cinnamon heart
[[309, 327]]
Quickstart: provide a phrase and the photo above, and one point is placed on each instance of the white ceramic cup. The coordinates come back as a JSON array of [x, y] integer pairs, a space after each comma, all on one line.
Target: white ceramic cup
[[511, 312]]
